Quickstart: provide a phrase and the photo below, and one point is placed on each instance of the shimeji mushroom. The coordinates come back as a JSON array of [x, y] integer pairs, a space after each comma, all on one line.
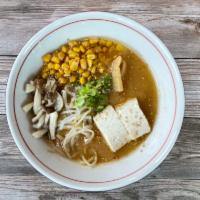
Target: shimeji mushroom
[[64, 96], [51, 85], [58, 103], [46, 120], [28, 107], [50, 92], [50, 103], [43, 121], [36, 118], [39, 133], [37, 102], [30, 87], [40, 122], [53, 124]]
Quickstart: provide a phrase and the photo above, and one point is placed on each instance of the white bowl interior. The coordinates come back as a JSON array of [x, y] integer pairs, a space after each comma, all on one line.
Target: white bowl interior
[[147, 156]]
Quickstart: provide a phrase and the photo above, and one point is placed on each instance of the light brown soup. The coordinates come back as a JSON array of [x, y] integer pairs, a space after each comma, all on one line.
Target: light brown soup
[[139, 83]]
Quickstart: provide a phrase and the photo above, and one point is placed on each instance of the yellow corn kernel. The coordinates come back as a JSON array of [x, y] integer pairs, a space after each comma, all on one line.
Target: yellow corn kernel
[[67, 72], [119, 47], [72, 54], [97, 49], [108, 43], [56, 66], [82, 80], [102, 42], [85, 74], [76, 49], [44, 75], [93, 70], [101, 70], [74, 64], [52, 72], [100, 65], [82, 49], [74, 67], [50, 65], [80, 71], [66, 59], [95, 62], [91, 56], [89, 78], [70, 61], [89, 51], [83, 63], [85, 43], [112, 48], [55, 53], [46, 58], [45, 69], [104, 49], [64, 66], [58, 75], [100, 55], [61, 55], [62, 80], [72, 79], [72, 43], [61, 71], [93, 40], [77, 58], [64, 49], [55, 59], [89, 62], [83, 56]]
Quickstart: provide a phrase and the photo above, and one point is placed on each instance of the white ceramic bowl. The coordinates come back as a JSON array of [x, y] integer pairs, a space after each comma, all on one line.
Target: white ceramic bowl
[[170, 112]]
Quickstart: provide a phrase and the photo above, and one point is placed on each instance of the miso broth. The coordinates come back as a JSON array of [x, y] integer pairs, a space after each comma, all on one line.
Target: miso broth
[[139, 83]]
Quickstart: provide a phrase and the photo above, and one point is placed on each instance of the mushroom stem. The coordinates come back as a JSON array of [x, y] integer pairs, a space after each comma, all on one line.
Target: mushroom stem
[[28, 107], [34, 119], [29, 88], [58, 103], [53, 124], [40, 122], [46, 120], [39, 133], [37, 103]]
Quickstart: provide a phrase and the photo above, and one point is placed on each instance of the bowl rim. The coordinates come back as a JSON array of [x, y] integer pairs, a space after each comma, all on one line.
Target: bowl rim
[[105, 17]]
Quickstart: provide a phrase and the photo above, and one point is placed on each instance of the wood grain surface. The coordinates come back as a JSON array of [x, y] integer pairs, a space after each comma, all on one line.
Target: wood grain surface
[[177, 23]]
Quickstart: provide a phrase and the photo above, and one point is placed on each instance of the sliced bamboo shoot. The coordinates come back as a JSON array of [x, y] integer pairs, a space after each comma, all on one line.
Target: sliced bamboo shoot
[[116, 75]]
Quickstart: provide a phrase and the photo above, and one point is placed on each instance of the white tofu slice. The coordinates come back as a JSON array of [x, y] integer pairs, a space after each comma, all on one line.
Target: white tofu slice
[[112, 128], [133, 118]]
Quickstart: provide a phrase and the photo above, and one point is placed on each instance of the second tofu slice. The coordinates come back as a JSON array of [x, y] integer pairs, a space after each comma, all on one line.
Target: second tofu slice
[[133, 118], [112, 128]]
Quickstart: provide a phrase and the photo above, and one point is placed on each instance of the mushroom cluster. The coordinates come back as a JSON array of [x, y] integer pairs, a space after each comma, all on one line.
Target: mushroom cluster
[[47, 103]]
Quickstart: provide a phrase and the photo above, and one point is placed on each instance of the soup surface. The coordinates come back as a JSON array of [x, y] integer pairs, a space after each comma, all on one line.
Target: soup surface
[[139, 83]]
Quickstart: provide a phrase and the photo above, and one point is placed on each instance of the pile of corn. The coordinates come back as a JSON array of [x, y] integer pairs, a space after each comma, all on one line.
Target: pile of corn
[[78, 61]]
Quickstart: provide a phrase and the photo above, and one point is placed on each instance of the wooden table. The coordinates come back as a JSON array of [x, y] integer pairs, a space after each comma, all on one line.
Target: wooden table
[[177, 23]]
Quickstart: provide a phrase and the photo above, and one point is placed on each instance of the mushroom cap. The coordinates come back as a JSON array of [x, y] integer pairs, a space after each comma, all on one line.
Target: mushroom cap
[[37, 102], [53, 124]]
